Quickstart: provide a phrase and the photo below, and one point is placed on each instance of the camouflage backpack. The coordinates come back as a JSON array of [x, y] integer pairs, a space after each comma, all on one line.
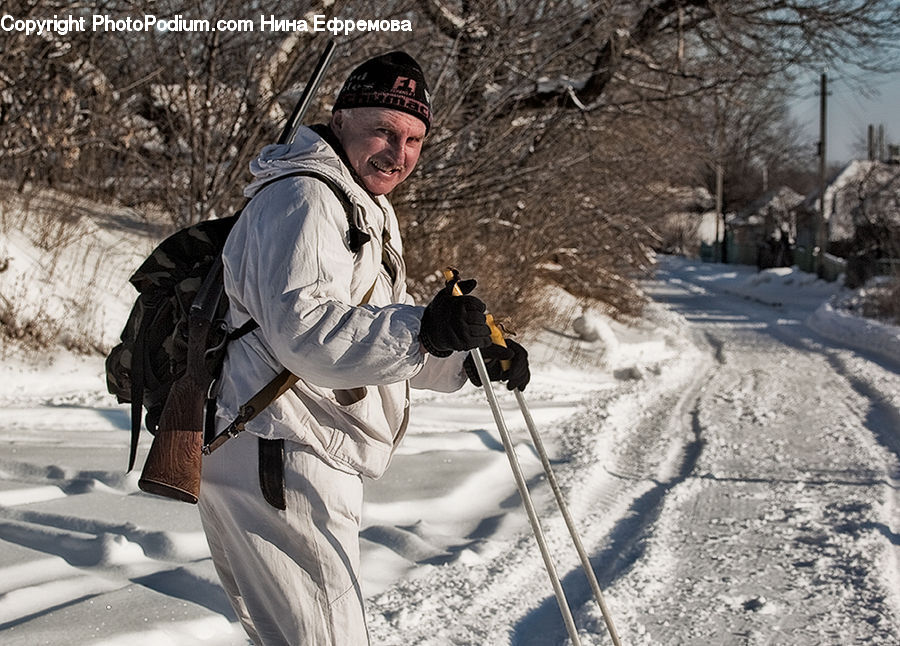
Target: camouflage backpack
[[153, 353]]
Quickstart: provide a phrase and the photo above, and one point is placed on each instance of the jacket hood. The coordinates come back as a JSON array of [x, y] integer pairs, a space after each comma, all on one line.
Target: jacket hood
[[309, 151]]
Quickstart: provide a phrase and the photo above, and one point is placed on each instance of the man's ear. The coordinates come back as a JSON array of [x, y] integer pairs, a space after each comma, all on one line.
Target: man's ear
[[337, 122]]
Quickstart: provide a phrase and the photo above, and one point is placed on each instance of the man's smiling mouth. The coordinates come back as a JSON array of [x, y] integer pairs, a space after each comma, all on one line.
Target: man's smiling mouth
[[388, 170]]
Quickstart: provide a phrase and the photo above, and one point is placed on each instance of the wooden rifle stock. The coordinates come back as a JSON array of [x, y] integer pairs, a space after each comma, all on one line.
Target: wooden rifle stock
[[173, 465], [172, 468]]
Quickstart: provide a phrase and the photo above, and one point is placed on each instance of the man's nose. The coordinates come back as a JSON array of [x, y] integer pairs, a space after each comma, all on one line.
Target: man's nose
[[396, 154]]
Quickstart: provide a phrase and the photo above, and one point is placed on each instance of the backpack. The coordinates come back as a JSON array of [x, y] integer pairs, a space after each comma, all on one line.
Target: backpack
[[152, 354]]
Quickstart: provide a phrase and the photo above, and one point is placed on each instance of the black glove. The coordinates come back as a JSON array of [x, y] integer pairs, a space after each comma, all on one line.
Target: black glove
[[454, 323], [518, 374]]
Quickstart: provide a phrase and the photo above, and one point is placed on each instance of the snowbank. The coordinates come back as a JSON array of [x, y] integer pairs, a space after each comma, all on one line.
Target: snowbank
[[857, 332], [816, 300], [66, 267]]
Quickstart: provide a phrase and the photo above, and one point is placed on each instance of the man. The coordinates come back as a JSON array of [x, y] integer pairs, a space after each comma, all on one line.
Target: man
[[318, 264]]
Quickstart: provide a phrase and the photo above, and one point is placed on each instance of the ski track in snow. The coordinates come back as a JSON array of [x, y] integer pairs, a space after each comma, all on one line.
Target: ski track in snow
[[785, 531], [736, 484]]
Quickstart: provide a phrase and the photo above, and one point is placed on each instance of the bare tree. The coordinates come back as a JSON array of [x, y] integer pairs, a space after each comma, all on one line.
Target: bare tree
[[213, 102], [747, 130], [151, 117], [556, 120], [53, 100]]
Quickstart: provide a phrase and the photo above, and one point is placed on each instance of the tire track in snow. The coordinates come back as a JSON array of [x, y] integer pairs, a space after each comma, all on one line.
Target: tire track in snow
[[501, 594], [876, 380], [881, 389], [782, 516], [883, 416], [642, 476]]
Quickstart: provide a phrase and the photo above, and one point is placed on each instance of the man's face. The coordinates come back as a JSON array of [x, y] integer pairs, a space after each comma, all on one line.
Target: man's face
[[382, 145]]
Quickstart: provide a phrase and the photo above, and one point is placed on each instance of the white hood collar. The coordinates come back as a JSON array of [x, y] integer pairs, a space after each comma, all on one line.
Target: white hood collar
[[309, 151]]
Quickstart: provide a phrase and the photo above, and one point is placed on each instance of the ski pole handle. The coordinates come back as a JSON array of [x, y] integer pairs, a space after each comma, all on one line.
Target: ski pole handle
[[496, 333]]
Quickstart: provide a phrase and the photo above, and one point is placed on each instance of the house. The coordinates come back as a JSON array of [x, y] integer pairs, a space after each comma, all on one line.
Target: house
[[862, 195], [689, 222], [761, 233]]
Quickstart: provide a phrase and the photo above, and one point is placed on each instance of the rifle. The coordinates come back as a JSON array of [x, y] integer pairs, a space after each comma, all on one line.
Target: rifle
[[173, 464]]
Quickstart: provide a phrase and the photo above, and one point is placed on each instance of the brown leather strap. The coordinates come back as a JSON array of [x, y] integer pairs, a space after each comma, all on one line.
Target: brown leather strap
[[368, 294], [269, 393]]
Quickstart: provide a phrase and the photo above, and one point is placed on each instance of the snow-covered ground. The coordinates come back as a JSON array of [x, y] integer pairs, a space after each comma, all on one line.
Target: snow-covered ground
[[731, 462]]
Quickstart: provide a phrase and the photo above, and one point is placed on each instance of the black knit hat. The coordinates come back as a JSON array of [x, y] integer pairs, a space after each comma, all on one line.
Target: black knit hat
[[392, 80]]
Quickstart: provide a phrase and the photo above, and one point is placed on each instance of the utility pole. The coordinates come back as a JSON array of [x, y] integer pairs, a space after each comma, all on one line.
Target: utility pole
[[871, 142], [720, 185], [720, 182], [821, 239]]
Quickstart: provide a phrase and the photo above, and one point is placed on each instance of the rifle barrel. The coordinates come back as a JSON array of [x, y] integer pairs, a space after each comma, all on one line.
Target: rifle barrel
[[293, 123]]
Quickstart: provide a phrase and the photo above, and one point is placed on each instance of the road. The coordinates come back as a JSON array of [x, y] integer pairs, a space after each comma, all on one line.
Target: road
[[738, 487], [783, 523]]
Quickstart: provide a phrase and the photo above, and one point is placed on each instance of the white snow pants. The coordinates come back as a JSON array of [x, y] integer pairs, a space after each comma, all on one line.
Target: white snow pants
[[292, 575]]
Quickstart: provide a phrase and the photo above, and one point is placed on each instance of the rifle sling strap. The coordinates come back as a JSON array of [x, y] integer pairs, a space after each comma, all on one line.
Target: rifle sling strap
[[138, 371], [271, 452]]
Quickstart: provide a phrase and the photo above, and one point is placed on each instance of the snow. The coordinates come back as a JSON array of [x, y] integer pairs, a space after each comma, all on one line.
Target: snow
[[731, 461]]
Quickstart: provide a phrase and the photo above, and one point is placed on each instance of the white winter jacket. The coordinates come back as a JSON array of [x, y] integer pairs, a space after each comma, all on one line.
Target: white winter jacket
[[288, 265]]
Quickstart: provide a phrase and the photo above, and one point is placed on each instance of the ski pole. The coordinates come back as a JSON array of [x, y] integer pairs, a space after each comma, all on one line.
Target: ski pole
[[521, 484], [526, 496], [564, 510], [498, 338]]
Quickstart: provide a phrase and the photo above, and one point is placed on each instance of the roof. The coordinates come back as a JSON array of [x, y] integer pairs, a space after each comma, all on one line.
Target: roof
[[779, 201], [861, 190], [857, 174]]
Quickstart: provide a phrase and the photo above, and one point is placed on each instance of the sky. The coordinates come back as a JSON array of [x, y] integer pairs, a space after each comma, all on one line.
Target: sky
[[850, 109]]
